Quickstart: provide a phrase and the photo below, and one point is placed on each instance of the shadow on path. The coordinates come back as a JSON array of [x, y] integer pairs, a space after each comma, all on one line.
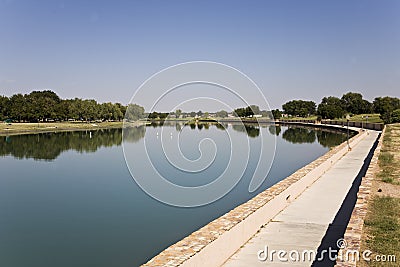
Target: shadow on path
[[337, 228]]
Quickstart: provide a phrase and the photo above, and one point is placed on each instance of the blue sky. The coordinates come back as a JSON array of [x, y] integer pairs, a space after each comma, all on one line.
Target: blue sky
[[291, 49]]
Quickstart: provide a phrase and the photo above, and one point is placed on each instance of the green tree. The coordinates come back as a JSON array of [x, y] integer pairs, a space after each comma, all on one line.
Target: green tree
[[396, 116], [266, 114], [355, 104], [41, 105], [122, 108], [385, 107], [299, 108], [134, 112], [221, 114], [117, 113], [276, 113], [247, 111], [4, 107], [163, 115], [331, 108], [255, 109], [75, 109], [90, 110], [62, 110], [178, 113], [18, 107], [239, 112], [153, 115]]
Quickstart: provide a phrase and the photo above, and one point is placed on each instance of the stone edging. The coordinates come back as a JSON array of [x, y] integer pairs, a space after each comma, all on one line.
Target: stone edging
[[354, 229], [179, 253]]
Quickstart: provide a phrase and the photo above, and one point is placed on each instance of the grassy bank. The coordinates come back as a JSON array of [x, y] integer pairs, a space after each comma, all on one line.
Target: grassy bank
[[382, 227], [382, 224], [25, 128], [372, 118], [300, 118], [389, 159]]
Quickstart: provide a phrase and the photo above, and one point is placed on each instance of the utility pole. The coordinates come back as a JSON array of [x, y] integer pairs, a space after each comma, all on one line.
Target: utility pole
[[348, 132]]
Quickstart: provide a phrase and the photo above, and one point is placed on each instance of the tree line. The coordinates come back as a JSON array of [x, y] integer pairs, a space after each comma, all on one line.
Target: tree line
[[332, 107], [48, 106]]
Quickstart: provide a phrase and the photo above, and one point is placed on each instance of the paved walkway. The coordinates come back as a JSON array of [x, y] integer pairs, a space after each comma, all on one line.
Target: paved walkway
[[304, 223]]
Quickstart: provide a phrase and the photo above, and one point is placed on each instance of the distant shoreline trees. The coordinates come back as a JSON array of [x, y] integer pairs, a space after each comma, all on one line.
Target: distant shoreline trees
[[332, 107], [299, 108], [248, 111], [48, 106]]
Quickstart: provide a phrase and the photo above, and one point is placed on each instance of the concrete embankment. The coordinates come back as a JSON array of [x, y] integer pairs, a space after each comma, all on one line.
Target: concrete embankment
[[354, 228], [216, 242], [314, 221], [329, 123]]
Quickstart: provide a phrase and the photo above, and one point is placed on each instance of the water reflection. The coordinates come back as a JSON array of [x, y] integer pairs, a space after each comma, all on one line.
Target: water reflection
[[301, 135], [94, 206], [251, 131], [134, 134], [48, 146], [330, 138], [275, 129]]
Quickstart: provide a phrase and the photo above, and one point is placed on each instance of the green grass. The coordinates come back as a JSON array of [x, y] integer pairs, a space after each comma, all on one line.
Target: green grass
[[373, 118], [386, 158], [301, 118], [383, 228], [388, 179], [382, 224], [389, 166]]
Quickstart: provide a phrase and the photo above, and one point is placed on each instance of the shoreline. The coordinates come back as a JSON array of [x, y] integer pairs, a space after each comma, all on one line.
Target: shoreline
[[195, 247], [50, 127]]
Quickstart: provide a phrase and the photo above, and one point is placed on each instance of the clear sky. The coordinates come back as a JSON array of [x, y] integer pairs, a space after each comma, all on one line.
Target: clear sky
[[291, 49]]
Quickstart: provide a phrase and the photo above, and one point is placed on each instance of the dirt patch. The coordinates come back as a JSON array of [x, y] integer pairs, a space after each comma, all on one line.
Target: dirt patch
[[381, 189]]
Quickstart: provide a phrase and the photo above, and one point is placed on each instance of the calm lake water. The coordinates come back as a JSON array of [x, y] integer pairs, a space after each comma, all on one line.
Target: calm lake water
[[68, 199]]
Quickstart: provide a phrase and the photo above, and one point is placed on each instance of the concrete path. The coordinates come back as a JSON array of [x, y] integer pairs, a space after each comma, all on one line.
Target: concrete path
[[304, 223]]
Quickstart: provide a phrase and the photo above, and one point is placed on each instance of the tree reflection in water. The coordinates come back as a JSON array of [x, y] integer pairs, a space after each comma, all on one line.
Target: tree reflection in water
[[331, 138], [275, 129], [48, 146], [251, 131], [301, 135]]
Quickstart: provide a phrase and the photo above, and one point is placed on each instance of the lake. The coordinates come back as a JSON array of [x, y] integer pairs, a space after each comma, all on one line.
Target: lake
[[68, 198]]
